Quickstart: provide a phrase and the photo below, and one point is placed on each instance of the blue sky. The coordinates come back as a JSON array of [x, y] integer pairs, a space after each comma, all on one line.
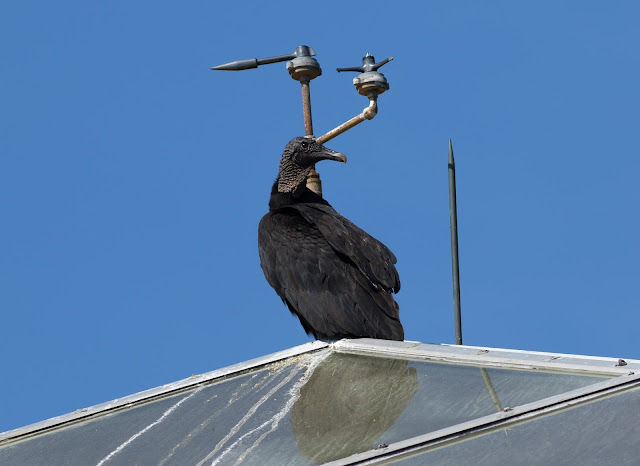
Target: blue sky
[[133, 180]]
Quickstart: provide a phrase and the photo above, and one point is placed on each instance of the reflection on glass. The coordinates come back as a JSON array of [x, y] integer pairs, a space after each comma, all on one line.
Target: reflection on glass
[[348, 403], [602, 432], [307, 409]]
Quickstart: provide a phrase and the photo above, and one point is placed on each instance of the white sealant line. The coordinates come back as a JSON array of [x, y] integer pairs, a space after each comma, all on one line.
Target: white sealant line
[[191, 435], [294, 393], [155, 423], [251, 412], [247, 416]]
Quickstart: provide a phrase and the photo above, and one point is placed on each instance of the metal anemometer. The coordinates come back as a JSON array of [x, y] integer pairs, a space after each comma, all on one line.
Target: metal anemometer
[[303, 67]]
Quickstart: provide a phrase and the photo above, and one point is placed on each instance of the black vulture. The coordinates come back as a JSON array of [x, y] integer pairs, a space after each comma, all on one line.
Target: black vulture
[[333, 276]]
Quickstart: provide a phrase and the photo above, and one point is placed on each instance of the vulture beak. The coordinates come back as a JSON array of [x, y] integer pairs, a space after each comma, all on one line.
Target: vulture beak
[[328, 154]]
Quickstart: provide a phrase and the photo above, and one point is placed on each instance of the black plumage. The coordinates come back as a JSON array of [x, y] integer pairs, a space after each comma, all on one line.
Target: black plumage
[[337, 279]]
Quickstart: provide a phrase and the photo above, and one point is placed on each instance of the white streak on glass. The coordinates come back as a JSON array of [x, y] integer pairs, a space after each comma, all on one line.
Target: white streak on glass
[[294, 393], [247, 416], [155, 423]]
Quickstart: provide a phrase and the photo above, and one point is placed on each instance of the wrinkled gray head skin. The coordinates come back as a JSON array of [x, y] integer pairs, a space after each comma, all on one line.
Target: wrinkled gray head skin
[[300, 155]]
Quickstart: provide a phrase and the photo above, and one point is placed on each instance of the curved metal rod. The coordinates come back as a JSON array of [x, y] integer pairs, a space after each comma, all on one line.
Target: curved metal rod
[[367, 114]]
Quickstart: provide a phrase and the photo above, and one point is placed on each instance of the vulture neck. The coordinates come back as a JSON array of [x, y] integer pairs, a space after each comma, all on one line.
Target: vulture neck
[[305, 196]]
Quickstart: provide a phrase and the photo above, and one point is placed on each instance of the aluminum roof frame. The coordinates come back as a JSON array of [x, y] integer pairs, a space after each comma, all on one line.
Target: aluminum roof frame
[[490, 357], [622, 371]]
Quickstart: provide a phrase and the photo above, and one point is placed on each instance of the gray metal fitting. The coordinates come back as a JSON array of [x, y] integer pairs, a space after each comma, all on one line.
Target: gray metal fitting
[[370, 81], [304, 66]]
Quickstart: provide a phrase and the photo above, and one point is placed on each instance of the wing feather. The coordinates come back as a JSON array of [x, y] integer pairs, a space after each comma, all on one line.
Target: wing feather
[[371, 257]]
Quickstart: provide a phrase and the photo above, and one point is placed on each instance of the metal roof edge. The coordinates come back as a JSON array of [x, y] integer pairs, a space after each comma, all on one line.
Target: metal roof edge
[[486, 356], [157, 392]]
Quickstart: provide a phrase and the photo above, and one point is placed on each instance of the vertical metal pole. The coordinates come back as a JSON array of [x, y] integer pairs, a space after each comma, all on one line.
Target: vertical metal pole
[[455, 266], [313, 178], [306, 106]]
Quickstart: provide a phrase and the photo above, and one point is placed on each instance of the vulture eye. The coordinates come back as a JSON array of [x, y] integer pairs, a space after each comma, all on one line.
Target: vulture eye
[[305, 144]]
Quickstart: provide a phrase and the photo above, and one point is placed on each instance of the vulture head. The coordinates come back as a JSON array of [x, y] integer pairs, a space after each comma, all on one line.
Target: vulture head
[[298, 158]]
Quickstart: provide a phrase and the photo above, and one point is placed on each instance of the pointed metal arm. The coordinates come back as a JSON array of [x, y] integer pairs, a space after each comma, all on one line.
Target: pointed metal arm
[[249, 63], [368, 64]]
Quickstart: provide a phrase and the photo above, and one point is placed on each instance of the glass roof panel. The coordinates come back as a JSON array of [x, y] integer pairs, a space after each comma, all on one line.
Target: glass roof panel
[[221, 421], [450, 394], [604, 431], [307, 409]]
